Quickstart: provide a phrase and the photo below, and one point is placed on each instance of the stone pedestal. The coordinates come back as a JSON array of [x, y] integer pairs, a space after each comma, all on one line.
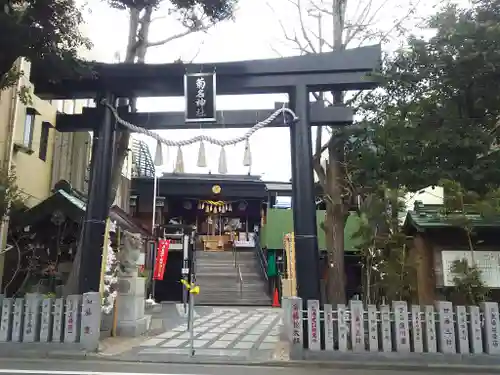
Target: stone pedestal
[[130, 306]]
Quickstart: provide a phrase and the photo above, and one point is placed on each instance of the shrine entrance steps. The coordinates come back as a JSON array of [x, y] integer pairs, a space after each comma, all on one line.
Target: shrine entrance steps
[[218, 275]]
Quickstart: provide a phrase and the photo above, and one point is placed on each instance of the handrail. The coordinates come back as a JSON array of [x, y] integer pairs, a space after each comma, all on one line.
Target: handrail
[[262, 258], [241, 279]]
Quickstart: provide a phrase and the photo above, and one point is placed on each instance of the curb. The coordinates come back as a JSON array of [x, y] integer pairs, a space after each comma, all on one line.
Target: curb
[[351, 365]]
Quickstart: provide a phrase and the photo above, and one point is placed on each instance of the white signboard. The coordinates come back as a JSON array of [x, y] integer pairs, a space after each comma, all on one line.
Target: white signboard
[[328, 326], [475, 331], [462, 329], [385, 328], [357, 326], [430, 329], [342, 328], [6, 323], [416, 323], [446, 328], [401, 326], [488, 262], [491, 316], [59, 321], [372, 328]]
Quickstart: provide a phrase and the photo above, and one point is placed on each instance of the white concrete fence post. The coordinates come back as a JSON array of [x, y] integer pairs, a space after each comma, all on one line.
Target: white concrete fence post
[[385, 328], [313, 325], [491, 333], [357, 326], [416, 325], [31, 329], [445, 328], [475, 331], [59, 320], [91, 321], [72, 318], [46, 320], [373, 341], [430, 329], [18, 320], [6, 322], [328, 327], [401, 327], [297, 342], [462, 330], [342, 328]]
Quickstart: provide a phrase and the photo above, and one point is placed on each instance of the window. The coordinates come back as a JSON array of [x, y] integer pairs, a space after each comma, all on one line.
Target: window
[[44, 140], [29, 125]]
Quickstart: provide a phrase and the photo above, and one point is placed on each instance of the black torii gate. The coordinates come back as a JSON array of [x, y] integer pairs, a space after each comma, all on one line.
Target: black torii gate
[[296, 76]]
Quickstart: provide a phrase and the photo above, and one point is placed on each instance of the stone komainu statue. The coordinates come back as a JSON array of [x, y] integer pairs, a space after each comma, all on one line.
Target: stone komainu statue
[[130, 250]]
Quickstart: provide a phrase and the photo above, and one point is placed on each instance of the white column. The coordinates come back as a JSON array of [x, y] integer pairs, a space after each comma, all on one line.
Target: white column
[[401, 326]]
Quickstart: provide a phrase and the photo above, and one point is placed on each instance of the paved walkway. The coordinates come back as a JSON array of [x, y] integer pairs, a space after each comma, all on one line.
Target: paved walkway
[[223, 332]]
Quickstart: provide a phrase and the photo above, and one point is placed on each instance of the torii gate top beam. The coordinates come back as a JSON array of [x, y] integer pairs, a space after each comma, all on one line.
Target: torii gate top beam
[[343, 70]]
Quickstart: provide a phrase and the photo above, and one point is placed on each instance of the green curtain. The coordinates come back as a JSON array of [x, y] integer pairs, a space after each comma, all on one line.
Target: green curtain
[[271, 263]]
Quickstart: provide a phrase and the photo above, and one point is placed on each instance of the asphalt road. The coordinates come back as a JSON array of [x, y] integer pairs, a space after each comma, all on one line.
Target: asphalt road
[[87, 367]]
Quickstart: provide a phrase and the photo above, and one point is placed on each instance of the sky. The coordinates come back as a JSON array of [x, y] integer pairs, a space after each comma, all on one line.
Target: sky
[[256, 33]]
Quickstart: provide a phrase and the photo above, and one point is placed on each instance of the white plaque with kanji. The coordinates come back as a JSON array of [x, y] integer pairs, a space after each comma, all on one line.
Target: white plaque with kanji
[[46, 320]]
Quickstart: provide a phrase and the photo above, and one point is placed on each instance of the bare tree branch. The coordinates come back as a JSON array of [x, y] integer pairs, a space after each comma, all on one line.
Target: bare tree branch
[[180, 35]]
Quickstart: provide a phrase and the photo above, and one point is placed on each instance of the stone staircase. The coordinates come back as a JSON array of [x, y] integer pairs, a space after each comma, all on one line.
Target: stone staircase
[[217, 276]]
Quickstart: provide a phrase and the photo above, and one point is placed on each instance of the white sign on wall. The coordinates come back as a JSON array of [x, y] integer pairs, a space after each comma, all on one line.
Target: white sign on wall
[[488, 262]]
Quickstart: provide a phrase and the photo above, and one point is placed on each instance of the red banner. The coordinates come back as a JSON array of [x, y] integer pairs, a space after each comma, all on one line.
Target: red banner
[[161, 259]]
